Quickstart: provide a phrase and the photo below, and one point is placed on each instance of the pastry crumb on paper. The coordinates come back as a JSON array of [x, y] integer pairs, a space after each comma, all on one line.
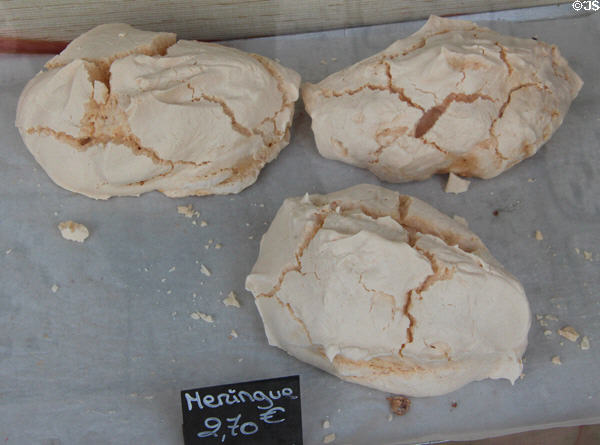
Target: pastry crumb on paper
[[72, 231], [556, 360], [187, 211], [399, 405], [538, 235], [231, 300], [326, 424], [54, 288], [585, 343], [569, 333], [329, 438], [456, 184], [202, 316], [204, 270]]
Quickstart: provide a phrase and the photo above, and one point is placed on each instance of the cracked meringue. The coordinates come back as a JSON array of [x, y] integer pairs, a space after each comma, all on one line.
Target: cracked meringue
[[453, 97], [122, 112], [383, 290]]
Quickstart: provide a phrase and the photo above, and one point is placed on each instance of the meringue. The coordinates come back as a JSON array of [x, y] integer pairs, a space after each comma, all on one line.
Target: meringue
[[383, 290], [122, 112], [453, 97]]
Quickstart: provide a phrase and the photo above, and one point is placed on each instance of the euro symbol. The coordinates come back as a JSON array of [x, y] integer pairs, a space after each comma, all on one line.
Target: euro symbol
[[267, 416]]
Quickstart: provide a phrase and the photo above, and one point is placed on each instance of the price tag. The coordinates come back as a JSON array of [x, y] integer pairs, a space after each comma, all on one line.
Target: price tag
[[259, 412]]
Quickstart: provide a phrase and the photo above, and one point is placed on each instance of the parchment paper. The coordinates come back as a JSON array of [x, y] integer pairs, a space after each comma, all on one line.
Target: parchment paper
[[102, 360]]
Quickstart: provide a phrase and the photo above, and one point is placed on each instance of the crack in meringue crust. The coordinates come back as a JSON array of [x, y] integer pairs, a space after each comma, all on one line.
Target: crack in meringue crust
[[122, 112], [383, 290]]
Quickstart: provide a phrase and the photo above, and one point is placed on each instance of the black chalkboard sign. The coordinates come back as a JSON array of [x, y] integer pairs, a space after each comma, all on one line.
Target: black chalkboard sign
[[259, 412]]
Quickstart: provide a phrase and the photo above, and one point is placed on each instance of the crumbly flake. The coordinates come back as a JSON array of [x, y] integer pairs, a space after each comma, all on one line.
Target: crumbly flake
[[585, 343], [329, 438], [456, 184], [187, 211], [538, 235], [73, 231], [569, 333], [202, 316], [205, 270], [556, 360], [231, 300]]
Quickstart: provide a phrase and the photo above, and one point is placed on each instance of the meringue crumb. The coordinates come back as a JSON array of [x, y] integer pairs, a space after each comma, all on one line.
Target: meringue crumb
[[172, 269], [569, 333], [456, 184], [218, 246], [233, 334], [203, 223], [54, 288], [201, 315], [8, 251], [390, 417], [538, 317], [169, 292], [73, 231], [531, 180], [587, 255], [329, 438], [205, 270], [326, 424], [251, 237], [399, 405], [461, 220], [577, 251], [544, 323], [323, 62], [522, 376], [548, 333], [231, 300], [556, 360], [585, 343], [162, 280], [551, 317], [187, 211], [333, 59], [538, 235], [241, 359]]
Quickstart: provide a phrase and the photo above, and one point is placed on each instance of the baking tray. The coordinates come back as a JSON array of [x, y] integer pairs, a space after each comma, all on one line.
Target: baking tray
[[102, 359]]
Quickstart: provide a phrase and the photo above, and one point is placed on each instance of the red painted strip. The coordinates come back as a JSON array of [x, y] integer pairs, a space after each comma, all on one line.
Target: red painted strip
[[10, 45]]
